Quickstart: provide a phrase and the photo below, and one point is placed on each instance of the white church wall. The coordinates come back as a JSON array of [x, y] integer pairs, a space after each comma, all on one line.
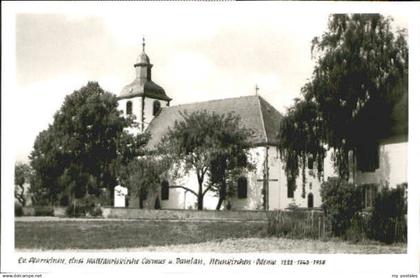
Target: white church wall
[[277, 195], [148, 109], [392, 165], [178, 199], [312, 186], [182, 199], [136, 109], [254, 199], [276, 178]]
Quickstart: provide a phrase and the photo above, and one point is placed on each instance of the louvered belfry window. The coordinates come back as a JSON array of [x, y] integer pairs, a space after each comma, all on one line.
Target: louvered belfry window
[[156, 107]]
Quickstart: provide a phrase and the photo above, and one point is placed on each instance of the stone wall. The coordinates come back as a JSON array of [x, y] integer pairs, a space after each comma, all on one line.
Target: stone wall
[[132, 213], [30, 211]]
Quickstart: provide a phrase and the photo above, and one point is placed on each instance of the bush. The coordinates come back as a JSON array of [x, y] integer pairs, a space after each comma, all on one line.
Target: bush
[[297, 224], [96, 211], [388, 222], [340, 201], [84, 207], [18, 210], [44, 211], [359, 227]]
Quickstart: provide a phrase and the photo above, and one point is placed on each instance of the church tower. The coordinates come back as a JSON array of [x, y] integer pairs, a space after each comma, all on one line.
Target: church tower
[[143, 98]]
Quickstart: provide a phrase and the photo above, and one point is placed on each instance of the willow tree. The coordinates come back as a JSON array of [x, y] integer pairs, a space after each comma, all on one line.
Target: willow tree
[[361, 73], [300, 142]]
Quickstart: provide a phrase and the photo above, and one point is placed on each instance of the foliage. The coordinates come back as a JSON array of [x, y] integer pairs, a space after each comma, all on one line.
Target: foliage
[[44, 211], [23, 175], [79, 154], [18, 210], [225, 170], [388, 221], [361, 74], [143, 175], [84, 207], [359, 228], [340, 201], [200, 139], [300, 141], [297, 224]]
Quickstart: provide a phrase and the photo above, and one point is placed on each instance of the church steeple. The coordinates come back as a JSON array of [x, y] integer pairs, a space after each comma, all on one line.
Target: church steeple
[[143, 65], [143, 98]]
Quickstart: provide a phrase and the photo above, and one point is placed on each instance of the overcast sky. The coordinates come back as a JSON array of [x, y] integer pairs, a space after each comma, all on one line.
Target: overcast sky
[[200, 52]]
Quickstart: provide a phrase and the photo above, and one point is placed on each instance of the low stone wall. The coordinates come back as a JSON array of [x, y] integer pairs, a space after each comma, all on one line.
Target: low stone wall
[[60, 211], [30, 211], [174, 214], [133, 213]]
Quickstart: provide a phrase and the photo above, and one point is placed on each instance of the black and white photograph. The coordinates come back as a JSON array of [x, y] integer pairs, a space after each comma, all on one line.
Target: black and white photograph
[[192, 137]]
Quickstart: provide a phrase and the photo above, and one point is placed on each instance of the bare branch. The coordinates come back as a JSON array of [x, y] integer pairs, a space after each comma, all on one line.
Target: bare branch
[[207, 189], [183, 187]]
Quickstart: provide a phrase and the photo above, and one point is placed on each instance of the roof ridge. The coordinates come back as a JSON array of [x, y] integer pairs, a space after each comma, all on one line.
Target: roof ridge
[[271, 106], [212, 100], [262, 118]]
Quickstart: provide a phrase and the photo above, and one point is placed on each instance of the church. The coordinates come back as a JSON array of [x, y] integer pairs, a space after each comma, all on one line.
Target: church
[[150, 105], [265, 187]]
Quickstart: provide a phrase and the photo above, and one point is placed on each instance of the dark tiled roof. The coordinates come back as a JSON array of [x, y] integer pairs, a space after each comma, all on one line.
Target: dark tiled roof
[[255, 113], [140, 87]]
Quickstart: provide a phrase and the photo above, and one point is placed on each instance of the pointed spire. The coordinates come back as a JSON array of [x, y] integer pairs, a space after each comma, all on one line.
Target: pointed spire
[[144, 44]]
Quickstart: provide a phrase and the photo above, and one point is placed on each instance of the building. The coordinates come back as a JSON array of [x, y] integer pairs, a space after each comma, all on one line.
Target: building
[[150, 104]]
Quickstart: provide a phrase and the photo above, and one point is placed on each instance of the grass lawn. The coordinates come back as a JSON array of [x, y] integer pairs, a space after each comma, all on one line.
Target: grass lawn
[[98, 234], [175, 236]]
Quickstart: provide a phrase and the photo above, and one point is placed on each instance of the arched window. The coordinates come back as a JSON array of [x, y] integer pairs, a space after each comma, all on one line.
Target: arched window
[[164, 190], [129, 108], [156, 107], [310, 200], [291, 184], [242, 187], [310, 162]]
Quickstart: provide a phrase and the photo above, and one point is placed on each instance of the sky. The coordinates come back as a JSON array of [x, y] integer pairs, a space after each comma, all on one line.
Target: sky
[[200, 51]]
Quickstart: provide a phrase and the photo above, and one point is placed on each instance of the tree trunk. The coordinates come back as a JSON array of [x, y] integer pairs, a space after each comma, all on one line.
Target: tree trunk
[[222, 195], [200, 202], [200, 192]]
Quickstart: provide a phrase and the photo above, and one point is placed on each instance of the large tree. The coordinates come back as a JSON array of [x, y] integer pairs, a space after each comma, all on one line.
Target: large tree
[[200, 140], [80, 152], [361, 73]]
